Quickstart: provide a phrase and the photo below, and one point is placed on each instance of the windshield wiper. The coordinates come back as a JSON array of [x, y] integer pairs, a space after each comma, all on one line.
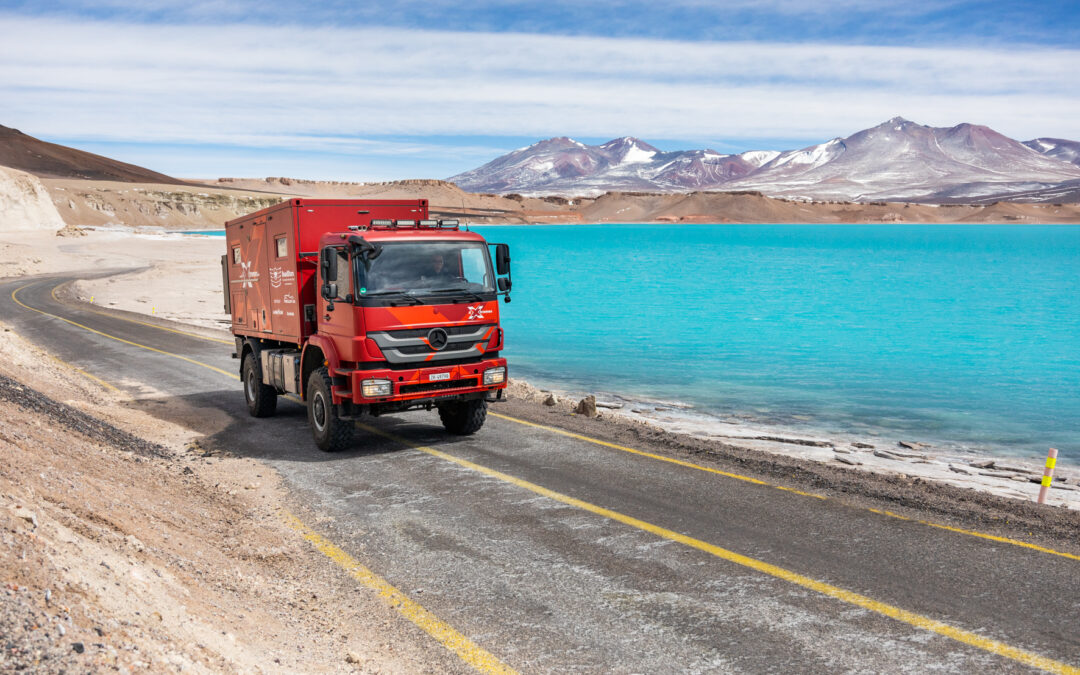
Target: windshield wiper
[[458, 291], [407, 295]]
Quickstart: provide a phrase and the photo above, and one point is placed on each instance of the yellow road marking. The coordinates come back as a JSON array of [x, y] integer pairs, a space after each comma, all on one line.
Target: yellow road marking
[[633, 451], [691, 465], [118, 339], [466, 649], [141, 323], [79, 370], [850, 597]]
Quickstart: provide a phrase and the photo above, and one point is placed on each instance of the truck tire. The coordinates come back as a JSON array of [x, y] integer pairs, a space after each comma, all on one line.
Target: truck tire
[[330, 432], [463, 417], [261, 398]]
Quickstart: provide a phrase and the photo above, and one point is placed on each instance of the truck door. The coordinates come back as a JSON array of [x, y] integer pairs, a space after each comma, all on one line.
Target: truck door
[[235, 287], [337, 322], [254, 281]]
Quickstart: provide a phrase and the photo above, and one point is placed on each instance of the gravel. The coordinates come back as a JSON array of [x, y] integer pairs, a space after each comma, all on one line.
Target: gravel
[[32, 640], [76, 420]]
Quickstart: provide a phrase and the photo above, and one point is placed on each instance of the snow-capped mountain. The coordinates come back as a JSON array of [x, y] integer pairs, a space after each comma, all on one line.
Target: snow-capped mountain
[[896, 160], [563, 165], [902, 160], [1058, 148]]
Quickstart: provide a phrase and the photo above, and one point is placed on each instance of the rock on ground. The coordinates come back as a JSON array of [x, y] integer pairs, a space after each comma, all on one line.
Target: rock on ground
[[25, 204]]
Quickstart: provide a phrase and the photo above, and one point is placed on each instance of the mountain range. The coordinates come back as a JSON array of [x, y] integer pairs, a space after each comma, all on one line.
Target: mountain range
[[897, 160]]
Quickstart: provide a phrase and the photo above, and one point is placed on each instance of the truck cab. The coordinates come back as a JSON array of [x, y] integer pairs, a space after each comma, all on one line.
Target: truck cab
[[389, 314]]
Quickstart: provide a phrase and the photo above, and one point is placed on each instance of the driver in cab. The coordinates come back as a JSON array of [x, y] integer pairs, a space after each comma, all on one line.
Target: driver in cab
[[437, 270]]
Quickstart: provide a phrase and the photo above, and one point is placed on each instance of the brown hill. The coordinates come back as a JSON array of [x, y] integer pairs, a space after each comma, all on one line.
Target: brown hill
[[49, 160]]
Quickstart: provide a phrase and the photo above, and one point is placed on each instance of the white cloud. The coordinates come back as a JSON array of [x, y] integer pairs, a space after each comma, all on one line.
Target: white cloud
[[270, 87]]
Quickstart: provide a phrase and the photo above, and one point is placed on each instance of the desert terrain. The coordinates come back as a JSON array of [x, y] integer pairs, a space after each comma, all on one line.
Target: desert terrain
[[95, 203]]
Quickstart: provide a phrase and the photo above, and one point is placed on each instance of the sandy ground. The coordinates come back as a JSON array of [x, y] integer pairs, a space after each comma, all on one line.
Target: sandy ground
[[170, 259], [179, 276]]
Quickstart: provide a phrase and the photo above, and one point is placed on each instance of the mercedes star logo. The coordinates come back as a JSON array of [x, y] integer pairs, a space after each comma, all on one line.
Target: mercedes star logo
[[437, 338]]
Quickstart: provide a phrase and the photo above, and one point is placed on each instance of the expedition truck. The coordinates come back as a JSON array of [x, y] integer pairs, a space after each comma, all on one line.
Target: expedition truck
[[365, 307]]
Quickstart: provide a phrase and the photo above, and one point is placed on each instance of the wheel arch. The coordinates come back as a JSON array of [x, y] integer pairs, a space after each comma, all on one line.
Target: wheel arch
[[318, 352]]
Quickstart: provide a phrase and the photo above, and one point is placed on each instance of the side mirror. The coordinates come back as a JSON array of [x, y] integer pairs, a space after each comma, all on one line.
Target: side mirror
[[329, 264], [502, 259], [329, 291], [504, 284]]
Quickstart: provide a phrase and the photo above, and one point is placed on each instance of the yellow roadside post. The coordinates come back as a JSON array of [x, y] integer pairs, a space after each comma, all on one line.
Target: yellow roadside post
[[1048, 475]]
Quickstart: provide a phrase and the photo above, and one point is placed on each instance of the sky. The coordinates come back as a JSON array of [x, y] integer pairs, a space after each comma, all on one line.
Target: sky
[[371, 91]]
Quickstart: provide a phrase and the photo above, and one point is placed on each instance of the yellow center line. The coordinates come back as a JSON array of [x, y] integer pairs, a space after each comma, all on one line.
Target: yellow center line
[[79, 370], [466, 649], [911, 618], [226, 373], [748, 479], [89, 308]]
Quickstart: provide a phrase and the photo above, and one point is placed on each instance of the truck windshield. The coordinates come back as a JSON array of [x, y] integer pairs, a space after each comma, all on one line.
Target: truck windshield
[[424, 268]]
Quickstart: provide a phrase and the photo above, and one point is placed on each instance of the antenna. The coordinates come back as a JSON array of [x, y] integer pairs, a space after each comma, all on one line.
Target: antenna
[[464, 213]]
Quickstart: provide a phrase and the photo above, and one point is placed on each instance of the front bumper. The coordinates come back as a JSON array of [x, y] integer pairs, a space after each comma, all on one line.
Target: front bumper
[[417, 384]]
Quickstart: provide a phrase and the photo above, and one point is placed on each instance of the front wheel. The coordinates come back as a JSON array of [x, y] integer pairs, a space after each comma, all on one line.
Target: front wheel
[[331, 433], [463, 417], [261, 398]]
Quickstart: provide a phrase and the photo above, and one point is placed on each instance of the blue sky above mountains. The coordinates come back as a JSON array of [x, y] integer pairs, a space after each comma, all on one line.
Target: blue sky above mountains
[[384, 90]]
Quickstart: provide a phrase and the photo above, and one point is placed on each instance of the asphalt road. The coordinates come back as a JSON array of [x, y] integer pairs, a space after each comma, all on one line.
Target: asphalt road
[[557, 554]]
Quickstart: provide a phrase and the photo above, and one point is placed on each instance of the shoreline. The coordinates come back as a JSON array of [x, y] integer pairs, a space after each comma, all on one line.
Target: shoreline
[[1010, 477], [152, 291]]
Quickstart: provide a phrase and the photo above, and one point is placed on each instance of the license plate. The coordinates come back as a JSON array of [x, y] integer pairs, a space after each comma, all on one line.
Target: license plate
[[435, 377]]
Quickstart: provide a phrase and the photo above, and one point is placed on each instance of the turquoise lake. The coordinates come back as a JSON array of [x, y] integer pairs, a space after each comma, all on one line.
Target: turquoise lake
[[967, 335]]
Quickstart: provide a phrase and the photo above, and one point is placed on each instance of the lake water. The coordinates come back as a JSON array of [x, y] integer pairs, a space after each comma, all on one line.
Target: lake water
[[967, 335]]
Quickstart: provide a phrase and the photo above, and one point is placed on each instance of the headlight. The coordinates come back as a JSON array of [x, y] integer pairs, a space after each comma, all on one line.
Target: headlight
[[495, 375], [376, 388]]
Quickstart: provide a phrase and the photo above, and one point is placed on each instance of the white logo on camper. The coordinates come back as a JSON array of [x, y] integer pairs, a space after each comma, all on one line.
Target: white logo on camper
[[279, 276], [248, 276], [477, 312]]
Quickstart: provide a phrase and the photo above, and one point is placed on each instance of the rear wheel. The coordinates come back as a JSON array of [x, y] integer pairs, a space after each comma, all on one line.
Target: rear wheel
[[463, 417], [330, 432], [261, 398]]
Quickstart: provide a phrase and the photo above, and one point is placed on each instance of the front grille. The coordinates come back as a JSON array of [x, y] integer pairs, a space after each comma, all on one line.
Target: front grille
[[437, 386], [424, 349], [423, 332]]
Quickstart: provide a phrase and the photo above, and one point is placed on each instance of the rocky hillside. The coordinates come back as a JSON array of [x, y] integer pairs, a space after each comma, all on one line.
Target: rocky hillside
[[25, 204], [49, 160], [95, 203]]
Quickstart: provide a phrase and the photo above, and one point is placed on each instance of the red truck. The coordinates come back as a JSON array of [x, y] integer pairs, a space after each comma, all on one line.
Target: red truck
[[365, 307]]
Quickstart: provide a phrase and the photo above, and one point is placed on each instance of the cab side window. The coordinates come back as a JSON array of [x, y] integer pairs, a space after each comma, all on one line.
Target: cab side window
[[343, 285]]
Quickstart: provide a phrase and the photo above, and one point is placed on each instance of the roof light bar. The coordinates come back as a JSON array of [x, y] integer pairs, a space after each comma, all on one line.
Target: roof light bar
[[382, 222], [451, 224], [429, 223]]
